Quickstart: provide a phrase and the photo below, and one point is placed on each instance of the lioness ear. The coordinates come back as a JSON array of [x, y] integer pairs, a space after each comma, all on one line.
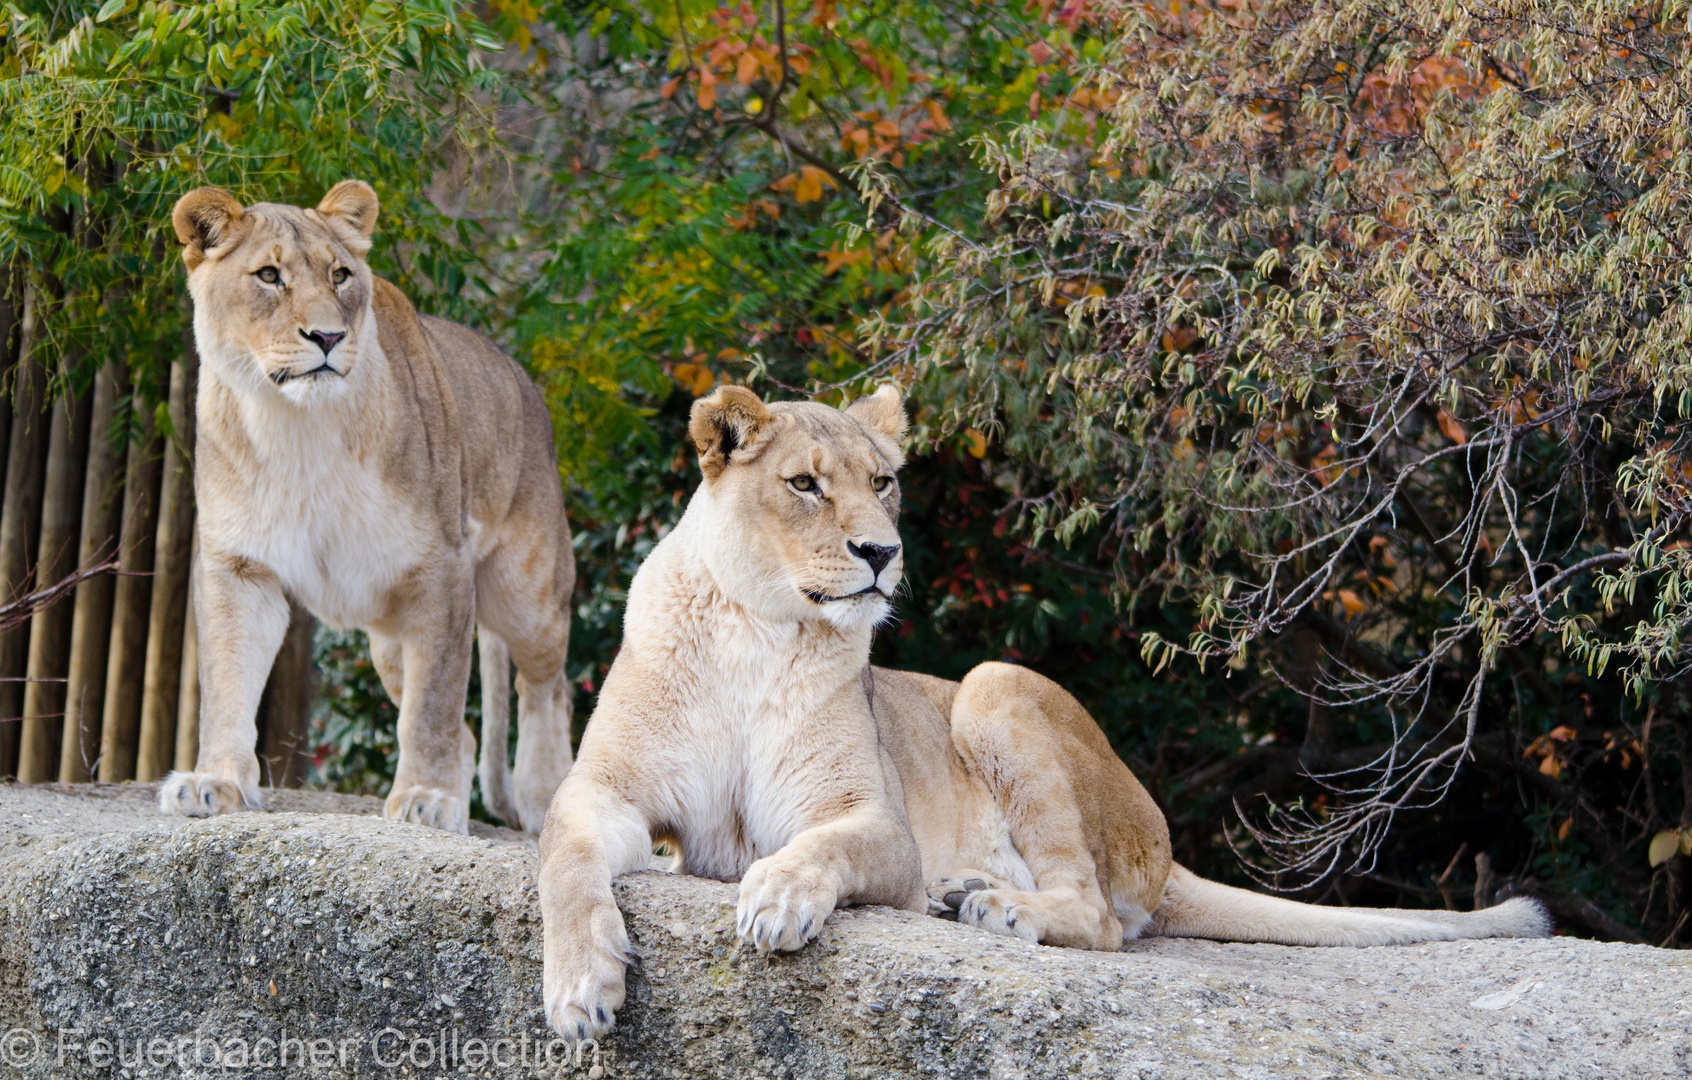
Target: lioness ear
[[723, 423], [203, 219], [352, 203], [883, 411]]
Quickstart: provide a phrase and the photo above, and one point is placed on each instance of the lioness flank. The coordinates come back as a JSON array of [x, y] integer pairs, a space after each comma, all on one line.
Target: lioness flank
[[742, 723], [390, 472]]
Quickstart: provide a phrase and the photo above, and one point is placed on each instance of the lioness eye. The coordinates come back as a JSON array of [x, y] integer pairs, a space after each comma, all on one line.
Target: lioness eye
[[804, 483], [269, 275], [882, 483], [340, 275]]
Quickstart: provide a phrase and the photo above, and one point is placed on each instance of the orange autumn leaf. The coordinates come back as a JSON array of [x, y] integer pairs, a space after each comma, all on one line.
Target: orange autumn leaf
[[1353, 603], [668, 90], [746, 69], [1452, 429], [835, 259], [811, 182], [936, 116], [696, 379], [707, 89]]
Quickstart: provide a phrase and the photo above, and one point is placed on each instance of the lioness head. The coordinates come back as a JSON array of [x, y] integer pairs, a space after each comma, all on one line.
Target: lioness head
[[281, 293], [803, 503]]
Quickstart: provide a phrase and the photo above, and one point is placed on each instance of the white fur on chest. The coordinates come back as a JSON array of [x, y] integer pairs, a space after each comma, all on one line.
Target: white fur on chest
[[752, 711], [310, 505], [339, 539]]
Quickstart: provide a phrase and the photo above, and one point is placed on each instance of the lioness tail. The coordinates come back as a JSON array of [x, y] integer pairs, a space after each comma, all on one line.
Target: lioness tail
[[1194, 907]]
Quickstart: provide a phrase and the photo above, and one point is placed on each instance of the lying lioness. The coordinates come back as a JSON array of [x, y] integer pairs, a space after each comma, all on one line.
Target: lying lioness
[[742, 724], [389, 471]]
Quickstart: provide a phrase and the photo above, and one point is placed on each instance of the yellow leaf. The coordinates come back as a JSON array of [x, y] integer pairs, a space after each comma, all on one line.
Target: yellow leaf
[[1664, 846], [1353, 603], [697, 379], [977, 443]]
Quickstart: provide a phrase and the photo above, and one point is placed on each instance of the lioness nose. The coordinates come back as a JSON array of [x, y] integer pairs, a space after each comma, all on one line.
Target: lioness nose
[[324, 339], [877, 555]]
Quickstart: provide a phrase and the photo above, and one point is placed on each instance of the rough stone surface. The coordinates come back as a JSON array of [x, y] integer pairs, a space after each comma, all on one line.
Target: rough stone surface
[[176, 942]]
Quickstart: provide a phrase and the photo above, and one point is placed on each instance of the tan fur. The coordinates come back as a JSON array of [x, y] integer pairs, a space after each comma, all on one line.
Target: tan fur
[[742, 724], [400, 478]]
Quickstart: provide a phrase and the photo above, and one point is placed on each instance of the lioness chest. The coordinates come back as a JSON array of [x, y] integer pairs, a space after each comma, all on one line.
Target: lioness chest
[[337, 534], [761, 748]]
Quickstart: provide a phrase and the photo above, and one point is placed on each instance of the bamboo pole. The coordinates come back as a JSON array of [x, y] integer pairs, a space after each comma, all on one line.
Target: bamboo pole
[[188, 700], [19, 517], [11, 314], [131, 598], [284, 742], [91, 622], [156, 746], [50, 626]]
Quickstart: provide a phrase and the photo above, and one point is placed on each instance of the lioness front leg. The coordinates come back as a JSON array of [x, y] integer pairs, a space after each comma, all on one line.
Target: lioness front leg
[[241, 616], [866, 857], [431, 781], [592, 835]]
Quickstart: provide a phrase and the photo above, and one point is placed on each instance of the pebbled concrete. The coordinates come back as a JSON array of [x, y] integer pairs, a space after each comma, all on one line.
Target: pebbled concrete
[[383, 948]]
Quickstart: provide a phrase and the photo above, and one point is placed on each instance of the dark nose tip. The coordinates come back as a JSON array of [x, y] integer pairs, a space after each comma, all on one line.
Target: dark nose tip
[[324, 339], [877, 555]]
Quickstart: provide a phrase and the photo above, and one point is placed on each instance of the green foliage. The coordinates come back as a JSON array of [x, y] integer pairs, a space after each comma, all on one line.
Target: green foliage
[[108, 113], [354, 725]]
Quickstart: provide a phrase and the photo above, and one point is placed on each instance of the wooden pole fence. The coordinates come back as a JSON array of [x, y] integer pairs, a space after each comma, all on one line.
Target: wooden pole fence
[[99, 678]]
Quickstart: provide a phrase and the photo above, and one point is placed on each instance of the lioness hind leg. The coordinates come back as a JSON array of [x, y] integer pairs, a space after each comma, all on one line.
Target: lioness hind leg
[[1096, 846], [387, 655], [523, 595], [948, 894], [544, 711]]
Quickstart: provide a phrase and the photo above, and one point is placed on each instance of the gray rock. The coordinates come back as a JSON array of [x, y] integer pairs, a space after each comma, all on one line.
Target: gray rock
[[382, 947]]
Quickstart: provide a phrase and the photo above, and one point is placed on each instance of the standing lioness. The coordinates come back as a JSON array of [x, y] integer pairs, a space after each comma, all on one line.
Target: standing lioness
[[391, 472], [742, 723]]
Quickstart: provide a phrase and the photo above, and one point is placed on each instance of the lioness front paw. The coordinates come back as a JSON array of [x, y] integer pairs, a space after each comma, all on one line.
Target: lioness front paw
[[583, 981], [783, 908], [193, 794], [433, 807]]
